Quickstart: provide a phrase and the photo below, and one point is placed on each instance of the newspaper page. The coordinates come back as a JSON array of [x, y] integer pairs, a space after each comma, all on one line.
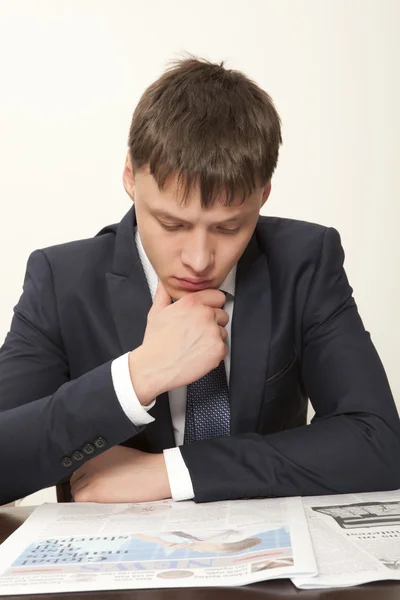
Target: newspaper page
[[90, 546], [356, 538]]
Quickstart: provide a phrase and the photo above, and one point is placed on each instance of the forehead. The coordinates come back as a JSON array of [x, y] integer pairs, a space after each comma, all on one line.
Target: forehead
[[171, 197]]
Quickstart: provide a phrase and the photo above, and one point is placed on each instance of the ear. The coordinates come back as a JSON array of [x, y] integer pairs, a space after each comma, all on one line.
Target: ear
[[266, 193], [128, 178]]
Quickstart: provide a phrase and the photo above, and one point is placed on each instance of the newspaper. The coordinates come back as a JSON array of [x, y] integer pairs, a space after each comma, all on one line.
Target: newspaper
[[356, 538], [88, 546]]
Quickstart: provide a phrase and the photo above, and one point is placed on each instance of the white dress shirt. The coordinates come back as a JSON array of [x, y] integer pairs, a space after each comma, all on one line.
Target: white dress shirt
[[178, 474]]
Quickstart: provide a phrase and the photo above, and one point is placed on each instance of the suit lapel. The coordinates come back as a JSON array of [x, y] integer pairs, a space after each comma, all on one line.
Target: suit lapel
[[251, 338], [130, 301]]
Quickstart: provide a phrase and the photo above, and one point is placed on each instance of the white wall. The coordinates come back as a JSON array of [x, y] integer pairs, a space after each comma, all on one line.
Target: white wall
[[72, 72]]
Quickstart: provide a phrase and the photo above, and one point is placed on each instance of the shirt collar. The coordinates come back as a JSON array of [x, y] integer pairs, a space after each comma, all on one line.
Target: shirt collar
[[228, 285]]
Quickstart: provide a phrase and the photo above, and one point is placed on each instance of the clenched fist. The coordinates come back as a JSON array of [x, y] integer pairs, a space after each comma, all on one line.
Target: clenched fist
[[183, 341]]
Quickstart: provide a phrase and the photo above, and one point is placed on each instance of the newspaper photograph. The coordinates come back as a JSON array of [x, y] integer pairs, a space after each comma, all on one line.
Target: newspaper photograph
[[88, 546], [356, 538]]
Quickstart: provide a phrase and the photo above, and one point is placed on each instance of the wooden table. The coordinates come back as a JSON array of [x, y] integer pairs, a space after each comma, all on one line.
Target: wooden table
[[12, 518]]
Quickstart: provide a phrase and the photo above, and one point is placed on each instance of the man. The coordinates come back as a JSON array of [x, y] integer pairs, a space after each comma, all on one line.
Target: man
[[173, 354]]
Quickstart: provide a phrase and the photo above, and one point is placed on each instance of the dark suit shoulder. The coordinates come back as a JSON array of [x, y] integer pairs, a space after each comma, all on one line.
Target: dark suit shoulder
[[78, 256], [275, 227], [289, 239]]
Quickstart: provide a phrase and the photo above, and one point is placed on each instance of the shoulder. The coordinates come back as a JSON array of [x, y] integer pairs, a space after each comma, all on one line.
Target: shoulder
[[277, 230], [293, 239], [80, 258]]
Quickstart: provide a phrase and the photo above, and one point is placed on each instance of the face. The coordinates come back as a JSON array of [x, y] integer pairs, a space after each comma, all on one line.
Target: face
[[190, 247]]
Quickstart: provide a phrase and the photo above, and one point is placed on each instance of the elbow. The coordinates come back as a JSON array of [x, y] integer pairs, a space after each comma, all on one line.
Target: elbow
[[393, 461], [381, 461], [387, 448]]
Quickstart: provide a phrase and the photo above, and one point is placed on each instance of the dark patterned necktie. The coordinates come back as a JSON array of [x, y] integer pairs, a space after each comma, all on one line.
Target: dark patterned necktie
[[207, 408]]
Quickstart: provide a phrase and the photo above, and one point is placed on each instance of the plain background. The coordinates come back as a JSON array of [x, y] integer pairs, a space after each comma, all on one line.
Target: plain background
[[73, 71]]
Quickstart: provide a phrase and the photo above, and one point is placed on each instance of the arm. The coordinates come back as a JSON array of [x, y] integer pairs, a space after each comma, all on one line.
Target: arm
[[44, 416], [353, 443]]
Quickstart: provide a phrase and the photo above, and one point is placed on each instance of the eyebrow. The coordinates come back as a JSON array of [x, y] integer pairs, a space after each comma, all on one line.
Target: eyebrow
[[166, 215]]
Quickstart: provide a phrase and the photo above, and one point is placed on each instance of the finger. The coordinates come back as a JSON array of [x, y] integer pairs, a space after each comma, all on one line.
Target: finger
[[221, 317], [210, 297], [161, 299], [223, 333], [80, 485], [76, 476]]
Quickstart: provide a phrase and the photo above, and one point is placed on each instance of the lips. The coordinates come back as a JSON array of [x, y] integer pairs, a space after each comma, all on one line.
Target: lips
[[193, 284], [195, 281]]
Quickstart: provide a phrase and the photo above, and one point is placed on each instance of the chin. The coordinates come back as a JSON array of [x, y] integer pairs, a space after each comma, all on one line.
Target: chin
[[175, 294], [178, 294]]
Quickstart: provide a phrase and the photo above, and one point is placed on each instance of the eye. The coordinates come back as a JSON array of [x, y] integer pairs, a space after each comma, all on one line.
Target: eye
[[170, 227], [224, 230]]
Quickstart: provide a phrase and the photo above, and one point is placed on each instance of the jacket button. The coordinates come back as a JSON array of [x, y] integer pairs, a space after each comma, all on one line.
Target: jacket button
[[66, 462], [100, 442], [78, 455], [88, 448]]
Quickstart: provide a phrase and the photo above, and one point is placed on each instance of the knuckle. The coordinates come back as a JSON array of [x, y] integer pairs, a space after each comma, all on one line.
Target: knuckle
[[207, 314], [222, 299], [220, 352], [222, 320], [189, 300]]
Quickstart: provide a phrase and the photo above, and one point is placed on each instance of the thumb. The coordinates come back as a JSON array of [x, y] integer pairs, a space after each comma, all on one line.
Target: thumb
[[161, 299]]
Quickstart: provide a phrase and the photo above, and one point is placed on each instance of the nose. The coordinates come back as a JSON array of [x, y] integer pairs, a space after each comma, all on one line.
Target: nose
[[197, 254]]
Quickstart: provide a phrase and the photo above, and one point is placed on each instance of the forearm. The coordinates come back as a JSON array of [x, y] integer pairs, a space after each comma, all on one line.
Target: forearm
[[343, 454], [35, 437]]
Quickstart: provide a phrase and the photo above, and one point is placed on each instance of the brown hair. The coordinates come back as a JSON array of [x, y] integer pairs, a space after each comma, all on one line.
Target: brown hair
[[208, 124]]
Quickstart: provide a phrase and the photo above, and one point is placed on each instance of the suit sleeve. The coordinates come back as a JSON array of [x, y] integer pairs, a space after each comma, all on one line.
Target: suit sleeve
[[353, 442], [45, 417]]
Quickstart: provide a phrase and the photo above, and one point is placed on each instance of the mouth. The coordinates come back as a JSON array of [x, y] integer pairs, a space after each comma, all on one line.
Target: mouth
[[193, 284]]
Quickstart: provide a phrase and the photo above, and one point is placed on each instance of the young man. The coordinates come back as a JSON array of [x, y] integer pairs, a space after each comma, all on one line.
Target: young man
[[173, 354]]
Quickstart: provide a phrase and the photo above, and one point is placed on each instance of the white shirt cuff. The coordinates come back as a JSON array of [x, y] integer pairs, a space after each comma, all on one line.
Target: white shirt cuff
[[125, 393], [180, 481]]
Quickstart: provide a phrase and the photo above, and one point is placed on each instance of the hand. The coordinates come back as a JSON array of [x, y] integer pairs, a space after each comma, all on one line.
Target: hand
[[121, 475], [182, 342]]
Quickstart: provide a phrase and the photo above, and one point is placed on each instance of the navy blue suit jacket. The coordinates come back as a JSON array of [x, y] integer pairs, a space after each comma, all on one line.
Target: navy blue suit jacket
[[296, 334]]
